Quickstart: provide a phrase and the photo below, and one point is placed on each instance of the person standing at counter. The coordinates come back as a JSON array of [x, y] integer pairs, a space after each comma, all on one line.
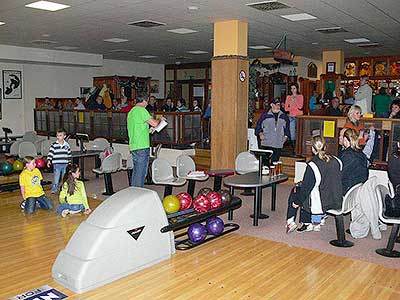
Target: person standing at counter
[[363, 96], [294, 106]]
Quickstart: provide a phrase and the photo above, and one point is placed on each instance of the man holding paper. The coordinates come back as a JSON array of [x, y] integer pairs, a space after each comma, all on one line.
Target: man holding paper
[[138, 122]]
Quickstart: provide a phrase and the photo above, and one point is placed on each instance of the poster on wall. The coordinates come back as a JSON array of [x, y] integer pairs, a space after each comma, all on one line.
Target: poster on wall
[[12, 84], [154, 86]]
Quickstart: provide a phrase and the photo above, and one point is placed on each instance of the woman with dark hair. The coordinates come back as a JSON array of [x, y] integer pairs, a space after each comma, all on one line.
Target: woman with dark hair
[[294, 106], [395, 109], [181, 105], [355, 162], [320, 190]]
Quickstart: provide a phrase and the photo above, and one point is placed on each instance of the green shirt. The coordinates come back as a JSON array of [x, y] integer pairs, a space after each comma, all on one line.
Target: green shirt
[[78, 197], [381, 103], [138, 129]]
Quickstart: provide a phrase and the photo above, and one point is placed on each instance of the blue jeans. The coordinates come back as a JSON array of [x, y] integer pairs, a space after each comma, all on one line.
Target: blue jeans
[[292, 125], [75, 207], [140, 165], [43, 201], [59, 171]]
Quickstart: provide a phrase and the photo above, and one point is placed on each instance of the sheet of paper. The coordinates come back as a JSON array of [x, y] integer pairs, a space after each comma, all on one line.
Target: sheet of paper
[[329, 129], [161, 126]]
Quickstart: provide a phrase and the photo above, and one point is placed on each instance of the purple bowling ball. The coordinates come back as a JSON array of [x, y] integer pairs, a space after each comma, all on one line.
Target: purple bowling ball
[[197, 233], [215, 225]]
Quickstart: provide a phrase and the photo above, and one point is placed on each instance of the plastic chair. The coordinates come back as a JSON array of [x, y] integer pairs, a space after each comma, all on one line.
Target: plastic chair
[[30, 136], [391, 189], [14, 148], [110, 164], [100, 144], [185, 165], [45, 147], [163, 174], [348, 204], [245, 163], [27, 149], [381, 191]]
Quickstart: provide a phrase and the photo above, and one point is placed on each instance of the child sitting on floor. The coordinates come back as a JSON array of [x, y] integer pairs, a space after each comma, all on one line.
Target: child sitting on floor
[[73, 195], [31, 189]]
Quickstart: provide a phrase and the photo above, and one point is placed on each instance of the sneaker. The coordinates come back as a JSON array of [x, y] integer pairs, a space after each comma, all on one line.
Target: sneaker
[[317, 227], [72, 212], [64, 213], [323, 220], [305, 228], [22, 205], [291, 227]]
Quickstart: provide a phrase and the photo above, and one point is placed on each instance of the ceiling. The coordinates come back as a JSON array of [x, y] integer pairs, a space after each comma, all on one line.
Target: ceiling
[[88, 22]]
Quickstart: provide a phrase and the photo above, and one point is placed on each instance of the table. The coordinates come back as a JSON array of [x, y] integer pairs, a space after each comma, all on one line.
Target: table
[[253, 180], [80, 156]]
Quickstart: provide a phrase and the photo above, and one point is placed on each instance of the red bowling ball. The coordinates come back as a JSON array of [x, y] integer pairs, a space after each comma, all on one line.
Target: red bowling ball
[[185, 199], [215, 199], [40, 163], [201, 204]]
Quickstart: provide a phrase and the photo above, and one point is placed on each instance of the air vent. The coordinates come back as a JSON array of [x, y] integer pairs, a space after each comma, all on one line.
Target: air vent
[[329, 30], [147, 23], [268, 5], [122, 51], [182, 57], [369, 45], [43, 42]]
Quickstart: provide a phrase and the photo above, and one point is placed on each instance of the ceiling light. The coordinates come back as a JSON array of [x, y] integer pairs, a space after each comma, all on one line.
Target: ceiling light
[[116, 40], [197, 52], [181, 30], [45, 35], [147, 56], [47, 5], [299, 17], [193, 8], [2, 23], [357, 40], [315, 43], [259, 47], [65, 48], [327, 30]]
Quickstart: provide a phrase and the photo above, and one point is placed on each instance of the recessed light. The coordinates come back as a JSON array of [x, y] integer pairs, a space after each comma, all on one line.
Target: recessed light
[[357, 40], [171, 54], [2, 23], [45, 35], [299, 17], [65, 48], [259, 47], [193, 8], [47, 5], [116, 40], [197, 52], [315, 43], [147, 56], [181, 30]]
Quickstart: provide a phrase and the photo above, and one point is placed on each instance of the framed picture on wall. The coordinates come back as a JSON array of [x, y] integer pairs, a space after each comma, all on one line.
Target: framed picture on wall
[[154, 86], [330, 67], [12, 84]]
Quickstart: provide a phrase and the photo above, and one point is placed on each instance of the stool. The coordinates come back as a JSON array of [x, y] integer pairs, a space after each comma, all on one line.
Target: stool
[[218, 175]]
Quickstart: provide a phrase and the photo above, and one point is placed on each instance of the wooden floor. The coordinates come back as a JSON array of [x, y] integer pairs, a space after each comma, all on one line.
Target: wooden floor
[[234, 267]]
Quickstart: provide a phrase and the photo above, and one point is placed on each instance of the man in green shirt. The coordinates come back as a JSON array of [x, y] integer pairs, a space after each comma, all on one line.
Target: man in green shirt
[[138, 122], [381, 104]]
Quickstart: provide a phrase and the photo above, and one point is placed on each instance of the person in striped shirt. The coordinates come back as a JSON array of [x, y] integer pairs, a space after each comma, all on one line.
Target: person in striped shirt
[[59, 156]]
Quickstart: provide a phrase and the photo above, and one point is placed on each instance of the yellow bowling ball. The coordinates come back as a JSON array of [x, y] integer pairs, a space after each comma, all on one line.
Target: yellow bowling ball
[[171, 204], [18, 165]]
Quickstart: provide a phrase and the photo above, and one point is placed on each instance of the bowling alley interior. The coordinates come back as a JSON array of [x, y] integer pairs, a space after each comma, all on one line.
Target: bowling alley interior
[[200, 149]]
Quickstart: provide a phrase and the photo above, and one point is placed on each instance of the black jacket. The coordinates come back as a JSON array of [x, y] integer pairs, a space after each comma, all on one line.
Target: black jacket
[[394, 169], [329, 191], [355, 168]]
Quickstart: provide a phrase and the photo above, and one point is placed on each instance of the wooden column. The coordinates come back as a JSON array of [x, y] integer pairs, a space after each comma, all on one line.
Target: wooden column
[[230, 88]]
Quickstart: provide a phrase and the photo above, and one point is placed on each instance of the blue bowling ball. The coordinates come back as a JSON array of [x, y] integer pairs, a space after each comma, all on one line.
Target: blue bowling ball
[[215, 225]]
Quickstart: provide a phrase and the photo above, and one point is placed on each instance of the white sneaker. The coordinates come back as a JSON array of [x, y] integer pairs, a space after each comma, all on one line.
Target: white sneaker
[[323, 222], [317, 227], [64, 213], [305, 228], [72, 212]]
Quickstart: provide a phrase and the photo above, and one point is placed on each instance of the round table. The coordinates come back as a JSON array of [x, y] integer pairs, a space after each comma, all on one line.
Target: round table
[[254, 180]]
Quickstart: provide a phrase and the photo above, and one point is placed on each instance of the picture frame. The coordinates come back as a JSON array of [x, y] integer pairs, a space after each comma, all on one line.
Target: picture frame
[[154, 86], [12, 84], [330, 67]]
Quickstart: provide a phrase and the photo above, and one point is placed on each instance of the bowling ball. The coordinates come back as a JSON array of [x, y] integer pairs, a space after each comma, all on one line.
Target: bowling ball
[[204, 191], [185, 200], [171, 204], [197, 232], [10, 160], [215, 225], [201, 204], [226, 197], [6, 167], [40, 163], [215, 199], [18, 165]]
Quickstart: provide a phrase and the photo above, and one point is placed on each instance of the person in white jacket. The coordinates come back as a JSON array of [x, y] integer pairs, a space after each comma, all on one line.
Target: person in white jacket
[[363, 96]]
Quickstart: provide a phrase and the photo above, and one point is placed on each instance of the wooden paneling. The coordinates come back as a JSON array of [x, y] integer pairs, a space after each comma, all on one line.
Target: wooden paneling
[[229, 111]]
